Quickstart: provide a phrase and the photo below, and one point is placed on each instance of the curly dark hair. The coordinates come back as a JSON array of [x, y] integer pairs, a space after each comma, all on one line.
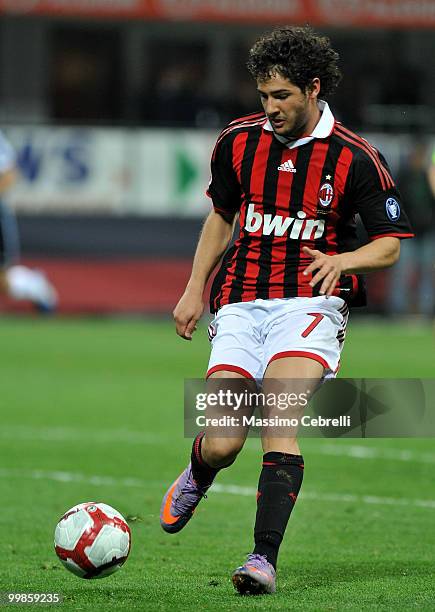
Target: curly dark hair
[[298, 54]]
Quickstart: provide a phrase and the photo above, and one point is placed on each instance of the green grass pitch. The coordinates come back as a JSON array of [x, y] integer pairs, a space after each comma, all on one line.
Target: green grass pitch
[[92, 410]]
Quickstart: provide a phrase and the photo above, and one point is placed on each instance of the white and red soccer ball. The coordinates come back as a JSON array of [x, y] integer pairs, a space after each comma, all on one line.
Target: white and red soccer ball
[[92, 540]]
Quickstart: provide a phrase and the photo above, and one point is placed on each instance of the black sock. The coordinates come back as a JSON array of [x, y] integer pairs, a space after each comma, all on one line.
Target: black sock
[[278, 488], [202, 473]]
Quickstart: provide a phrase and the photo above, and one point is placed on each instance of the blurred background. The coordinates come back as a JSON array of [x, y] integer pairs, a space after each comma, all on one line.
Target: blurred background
[[113, 107]]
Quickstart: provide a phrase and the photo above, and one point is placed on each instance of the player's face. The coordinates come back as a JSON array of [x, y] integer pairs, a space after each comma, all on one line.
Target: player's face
[[292, 112]]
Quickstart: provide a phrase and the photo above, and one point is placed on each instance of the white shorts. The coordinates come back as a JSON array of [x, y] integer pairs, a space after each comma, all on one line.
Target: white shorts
[[247, 336]]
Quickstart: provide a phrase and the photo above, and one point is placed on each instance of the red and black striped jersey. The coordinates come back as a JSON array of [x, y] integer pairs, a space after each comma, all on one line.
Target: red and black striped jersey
[[294, 194]]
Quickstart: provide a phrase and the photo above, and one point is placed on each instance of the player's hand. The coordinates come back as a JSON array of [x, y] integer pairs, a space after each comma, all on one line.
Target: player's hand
[[187, 313], [329, 269]]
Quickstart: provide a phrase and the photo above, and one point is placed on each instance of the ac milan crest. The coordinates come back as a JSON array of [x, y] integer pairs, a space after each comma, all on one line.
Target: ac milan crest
[[326, 194]]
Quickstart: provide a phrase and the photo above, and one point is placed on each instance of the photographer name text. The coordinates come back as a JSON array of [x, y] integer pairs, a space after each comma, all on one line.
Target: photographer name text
[[253, 421]]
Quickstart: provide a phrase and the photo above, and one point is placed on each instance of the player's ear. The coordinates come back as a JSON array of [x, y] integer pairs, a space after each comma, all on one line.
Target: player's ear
[[313, 89]]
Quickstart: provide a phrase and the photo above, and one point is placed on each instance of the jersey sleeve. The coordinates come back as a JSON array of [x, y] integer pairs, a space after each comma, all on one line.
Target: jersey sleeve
[[224, 187], [374, 195]]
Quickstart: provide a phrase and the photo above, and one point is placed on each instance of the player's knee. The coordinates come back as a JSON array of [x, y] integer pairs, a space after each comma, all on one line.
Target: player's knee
[[219, 452]]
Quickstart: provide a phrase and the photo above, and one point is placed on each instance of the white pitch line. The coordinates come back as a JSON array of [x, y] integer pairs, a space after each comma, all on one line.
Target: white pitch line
[[71, 434], [72, 477], [109, 436], [369, 452]]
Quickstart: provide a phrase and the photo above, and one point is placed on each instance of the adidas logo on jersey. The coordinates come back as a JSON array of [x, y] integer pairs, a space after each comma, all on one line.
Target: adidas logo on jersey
[[298, 227], [287, 166]]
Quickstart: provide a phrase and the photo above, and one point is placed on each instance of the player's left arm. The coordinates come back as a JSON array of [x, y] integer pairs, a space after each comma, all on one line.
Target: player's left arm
[[377, 255], [372, 193]]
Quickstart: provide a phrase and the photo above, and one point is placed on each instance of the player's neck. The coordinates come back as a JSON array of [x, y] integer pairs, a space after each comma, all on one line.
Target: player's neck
[[312, 121]]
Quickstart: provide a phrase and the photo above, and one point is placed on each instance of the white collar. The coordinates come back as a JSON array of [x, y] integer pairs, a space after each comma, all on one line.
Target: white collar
[[323, 128]]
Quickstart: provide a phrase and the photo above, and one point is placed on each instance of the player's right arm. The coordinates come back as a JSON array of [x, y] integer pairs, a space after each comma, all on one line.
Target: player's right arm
[[213, 242], [224, 191]]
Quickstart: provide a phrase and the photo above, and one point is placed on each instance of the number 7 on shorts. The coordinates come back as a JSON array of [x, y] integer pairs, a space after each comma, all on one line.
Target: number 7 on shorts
[[317, 318]]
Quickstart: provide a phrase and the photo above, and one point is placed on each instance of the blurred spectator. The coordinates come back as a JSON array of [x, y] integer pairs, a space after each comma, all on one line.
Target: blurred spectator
[[413, 277], [245, 99], [16, 281], [175, 93], [85, 78], [176, 97]]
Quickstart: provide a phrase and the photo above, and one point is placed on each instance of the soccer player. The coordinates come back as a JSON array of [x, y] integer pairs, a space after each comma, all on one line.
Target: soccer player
[[17, 281], [295, 178]]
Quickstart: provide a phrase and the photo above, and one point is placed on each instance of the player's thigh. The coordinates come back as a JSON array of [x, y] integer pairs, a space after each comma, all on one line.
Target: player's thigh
[[299, 368], [288, 383], [224, 440], [235, 362]]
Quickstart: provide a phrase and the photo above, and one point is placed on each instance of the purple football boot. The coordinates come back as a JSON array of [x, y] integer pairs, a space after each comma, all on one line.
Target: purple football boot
[[180, 501], [256, 577]]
